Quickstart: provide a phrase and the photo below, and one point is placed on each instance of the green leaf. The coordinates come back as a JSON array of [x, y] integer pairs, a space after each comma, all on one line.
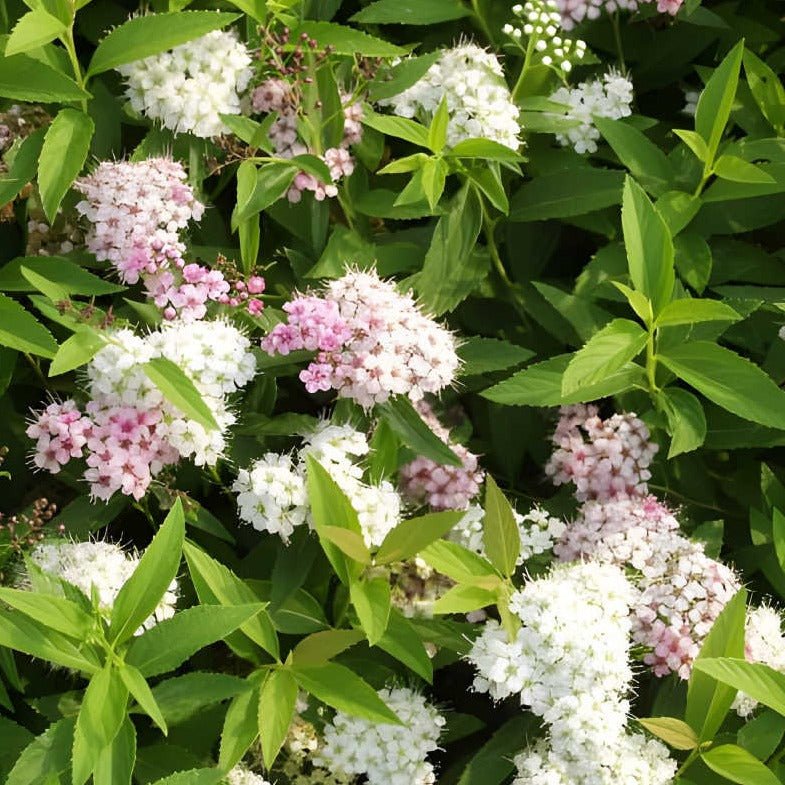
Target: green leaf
[[434, 175], [181, 697], [101, 714], [59, 270], [156, 570], [707, 700], [331, 508], [34, 29], [761, 682], [215, 583], [677, 209], [63, 154], [47, 757], [319, 647], [409, 537], [738, 765], [403, 418], [23, 167], [727, 379], [731, 167], [143, 36], [485, 355], [486, 149], [693, 260], [494, 763], [115, 763], [555, 195], [695, 142], [452, 268], [30, 637], [766, 89], [349, 542], [464, 599], [76, 351], [606, 352], [686, 420], [341, 688], [541, 385], [256, 9], [21, 331], [179, 390], [393, 81], [57, 613], [638, 302], [241, 727], [762, 735], [501, 537], [371, 600], [674, 732], [141, 693], [457, 562], [23, 78], [410, 12], [346, 41], [716, 100], [643, 158], [437, 132], [51, 290], [691, 311], [258, 189], [401, 640], [171, 642], [649, 247], [277, 700], [399, 127]]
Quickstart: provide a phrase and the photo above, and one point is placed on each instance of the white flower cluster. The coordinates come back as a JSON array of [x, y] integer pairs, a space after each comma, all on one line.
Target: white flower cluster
[[576, 683], [610, 97], [301, 745], [540, 23], [188, 87], [271, 493], [215, 355], [100, 567], [539, 531], [764, 643], [386, 754], [240, 775], [479, 102]]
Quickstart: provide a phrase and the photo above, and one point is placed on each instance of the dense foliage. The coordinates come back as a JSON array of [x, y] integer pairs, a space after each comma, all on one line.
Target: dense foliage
[[390, 392]]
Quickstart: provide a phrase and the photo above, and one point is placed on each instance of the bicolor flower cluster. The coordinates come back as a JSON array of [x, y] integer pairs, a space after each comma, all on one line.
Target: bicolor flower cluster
[[371, 341], [576, 11], [271, 493], [129, 431], [241, 775], [137, 211], [441, 486], [187, 88], [539, 25], [578, 684], [386, 754], [604, 459], [99, 568], [681, 590], [279, 95], [609, 97], [471, 81]]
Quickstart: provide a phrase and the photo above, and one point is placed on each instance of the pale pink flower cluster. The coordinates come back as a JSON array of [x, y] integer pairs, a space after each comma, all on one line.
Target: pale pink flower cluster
[[137, 211], [129, 431], [681, 591], [442, 487], [371, 341], [605, 459], [573, 12], [277, 95]]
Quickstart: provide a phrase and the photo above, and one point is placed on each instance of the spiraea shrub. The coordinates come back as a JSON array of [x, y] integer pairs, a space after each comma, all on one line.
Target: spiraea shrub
[[391, 392]]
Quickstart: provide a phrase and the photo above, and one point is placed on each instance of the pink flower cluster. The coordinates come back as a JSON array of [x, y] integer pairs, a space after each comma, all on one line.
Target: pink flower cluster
[[605, 459], [125, 446], [371, 341], [441, 487], [137, 211], [680, 590], [277, 95], [576, 11]]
